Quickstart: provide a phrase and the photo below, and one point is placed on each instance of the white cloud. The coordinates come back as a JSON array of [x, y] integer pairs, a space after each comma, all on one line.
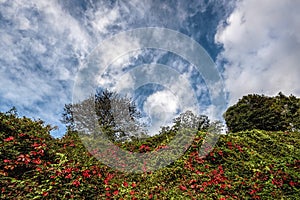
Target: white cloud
[[262, 47], [43, 43], [39, 45], [104, 18], [125, 83], [161, 107]]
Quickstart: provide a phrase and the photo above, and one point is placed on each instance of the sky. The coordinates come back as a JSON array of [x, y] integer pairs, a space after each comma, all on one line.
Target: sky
[[45, 45]]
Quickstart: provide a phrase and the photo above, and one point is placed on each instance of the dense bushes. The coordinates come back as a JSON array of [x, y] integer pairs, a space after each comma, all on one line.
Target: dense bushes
[[247, 165], [25, 144], [266, 113]]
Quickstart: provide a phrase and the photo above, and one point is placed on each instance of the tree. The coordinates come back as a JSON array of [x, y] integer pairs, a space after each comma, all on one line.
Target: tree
[[189, 120], [266, 113], [116, 116]]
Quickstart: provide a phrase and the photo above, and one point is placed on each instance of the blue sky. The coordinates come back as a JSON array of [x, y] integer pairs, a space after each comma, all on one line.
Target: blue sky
[[255, 45]]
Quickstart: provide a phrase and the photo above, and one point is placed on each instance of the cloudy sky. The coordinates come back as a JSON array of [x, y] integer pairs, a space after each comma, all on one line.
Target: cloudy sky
[[45, 44]]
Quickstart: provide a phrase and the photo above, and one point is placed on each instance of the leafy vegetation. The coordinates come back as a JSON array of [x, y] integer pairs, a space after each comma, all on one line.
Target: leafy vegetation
[[254, 111], [252, 164]]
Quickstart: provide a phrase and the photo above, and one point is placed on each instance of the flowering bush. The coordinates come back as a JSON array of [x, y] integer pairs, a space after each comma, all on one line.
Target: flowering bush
[[247, 165]]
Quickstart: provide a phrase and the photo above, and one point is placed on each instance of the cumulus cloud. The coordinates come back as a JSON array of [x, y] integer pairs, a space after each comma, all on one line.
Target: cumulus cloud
[[261, 48], [41, 47], [161, 107], [43, 43]]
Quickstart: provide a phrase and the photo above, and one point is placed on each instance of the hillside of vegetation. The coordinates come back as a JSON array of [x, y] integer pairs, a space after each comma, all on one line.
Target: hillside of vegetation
[[253, 164]]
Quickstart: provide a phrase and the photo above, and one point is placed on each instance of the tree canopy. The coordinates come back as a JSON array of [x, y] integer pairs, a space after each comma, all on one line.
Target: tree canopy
[[117, 116], [255, 111]]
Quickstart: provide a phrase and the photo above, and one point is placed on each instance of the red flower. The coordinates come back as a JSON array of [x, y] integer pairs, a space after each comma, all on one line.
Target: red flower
[[116, 192], [133, 184], [144, 147], [68, 170], [220, 153], [222, 198], [198, 172], [253, 191], [204, 184], [183, 188], [292, 183], [10, 138], [107, 194], [125, 184], [108, 178], [150, 196], [86, 174], [41, 152], [223, 186], [229, 144], [278, 183], [239, 148], [68, 176], [76, 183], [45, 194], [24, 158], [72, 145], [6, 160], [38, 169], [131, 192], [220, 169], [35, 145], [37, 161], [214, 172], [33, 153]]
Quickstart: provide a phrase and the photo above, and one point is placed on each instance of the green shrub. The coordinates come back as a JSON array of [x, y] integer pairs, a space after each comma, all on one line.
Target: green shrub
[[265, 113], [245, 165]]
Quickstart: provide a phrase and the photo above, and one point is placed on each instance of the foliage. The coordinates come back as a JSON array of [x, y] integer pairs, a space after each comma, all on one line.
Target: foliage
[[190, 120], [254, 111], [252, 164], [116, 115]]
